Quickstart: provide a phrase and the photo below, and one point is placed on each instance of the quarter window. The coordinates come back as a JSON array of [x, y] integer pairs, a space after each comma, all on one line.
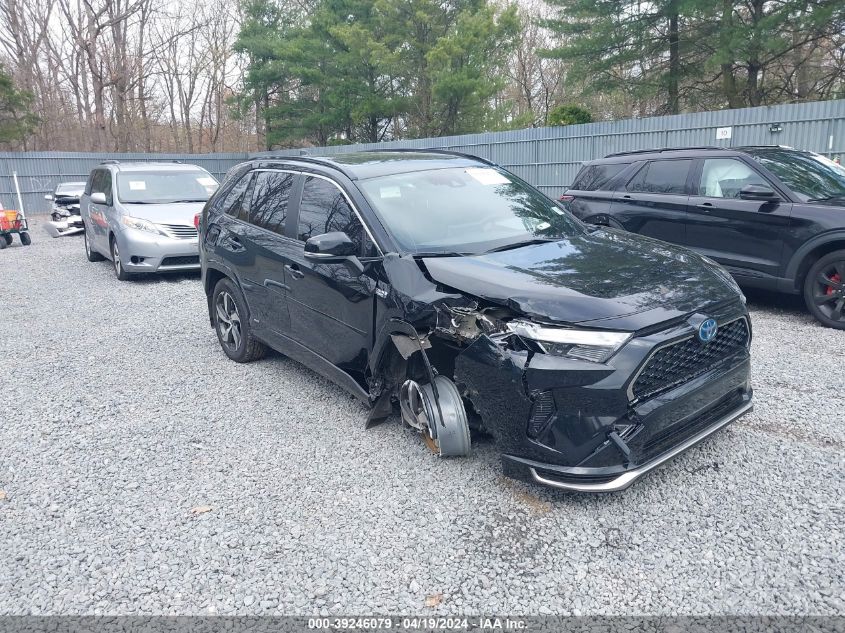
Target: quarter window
[[270, 197], [234, 205], [725, 178], [662, 176], [596, 177], [324, 209]]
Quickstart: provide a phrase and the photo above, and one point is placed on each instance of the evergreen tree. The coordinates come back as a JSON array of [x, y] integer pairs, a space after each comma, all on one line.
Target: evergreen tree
[[16, 120]]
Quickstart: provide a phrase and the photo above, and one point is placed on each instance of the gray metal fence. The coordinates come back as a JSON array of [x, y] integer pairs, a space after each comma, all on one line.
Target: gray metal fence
[[546, 157], [39, 172], [550, 157]]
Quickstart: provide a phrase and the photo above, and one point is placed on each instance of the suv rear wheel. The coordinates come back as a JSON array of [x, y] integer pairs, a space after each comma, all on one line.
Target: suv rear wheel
[[824, 290], [232, 324]]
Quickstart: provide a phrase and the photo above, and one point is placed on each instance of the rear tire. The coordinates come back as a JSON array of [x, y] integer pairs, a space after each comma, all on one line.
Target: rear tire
[[231, 322], [3, 242], [26, 240], [824, 290], [90, 253], [117, 264], [7, 238]]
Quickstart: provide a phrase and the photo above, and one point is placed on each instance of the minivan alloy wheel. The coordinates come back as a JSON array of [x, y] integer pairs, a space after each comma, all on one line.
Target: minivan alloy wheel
[[228, 320]]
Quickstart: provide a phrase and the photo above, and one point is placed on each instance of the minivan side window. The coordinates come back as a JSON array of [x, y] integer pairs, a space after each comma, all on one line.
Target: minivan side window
[[233, 203], [101, 183], [596, 177], [662, 176], [324, 209], [270, 197], [725, 178]]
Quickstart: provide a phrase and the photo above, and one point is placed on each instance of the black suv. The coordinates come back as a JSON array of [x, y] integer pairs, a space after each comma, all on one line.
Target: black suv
[[773, 216], [449, 287]]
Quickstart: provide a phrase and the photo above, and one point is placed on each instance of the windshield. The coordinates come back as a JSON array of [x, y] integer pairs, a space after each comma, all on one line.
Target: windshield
[[809, 176], [464, 210], [71, 189], [165, 186]]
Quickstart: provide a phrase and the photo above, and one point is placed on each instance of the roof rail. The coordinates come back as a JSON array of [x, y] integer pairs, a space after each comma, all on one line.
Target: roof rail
[[110, 161], [435, 150], [657, 150]]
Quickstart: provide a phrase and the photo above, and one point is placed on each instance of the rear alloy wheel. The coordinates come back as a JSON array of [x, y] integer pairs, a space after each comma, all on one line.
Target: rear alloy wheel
[[824, 290], [232, 324], [119, 271]]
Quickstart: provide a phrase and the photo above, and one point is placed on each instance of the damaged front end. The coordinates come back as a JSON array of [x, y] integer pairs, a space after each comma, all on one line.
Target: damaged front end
[[560, 400]]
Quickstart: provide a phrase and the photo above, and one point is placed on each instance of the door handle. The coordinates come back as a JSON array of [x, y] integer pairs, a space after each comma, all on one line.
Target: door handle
[[293, 271], [705, 206], [234, 242], [627, 197]]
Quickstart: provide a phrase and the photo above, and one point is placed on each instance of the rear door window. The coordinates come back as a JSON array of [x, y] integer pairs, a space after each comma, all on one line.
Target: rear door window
[[270, 199], [597, 177], [662, 176]]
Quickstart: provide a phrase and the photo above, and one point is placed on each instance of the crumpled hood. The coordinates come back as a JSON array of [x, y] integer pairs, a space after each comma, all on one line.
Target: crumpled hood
[[625, 280], [168, 213]]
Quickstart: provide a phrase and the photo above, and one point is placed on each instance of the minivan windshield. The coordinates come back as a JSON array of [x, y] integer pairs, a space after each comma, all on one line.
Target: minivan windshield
[[810, 176], [153, 187], [465, 210]]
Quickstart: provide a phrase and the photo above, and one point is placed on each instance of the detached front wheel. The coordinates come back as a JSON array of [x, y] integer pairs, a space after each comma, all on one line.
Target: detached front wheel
[[824, 290], [231, 323]]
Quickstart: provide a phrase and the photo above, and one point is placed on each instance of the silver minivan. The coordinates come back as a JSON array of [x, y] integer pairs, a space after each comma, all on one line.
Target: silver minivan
[[141, 215]]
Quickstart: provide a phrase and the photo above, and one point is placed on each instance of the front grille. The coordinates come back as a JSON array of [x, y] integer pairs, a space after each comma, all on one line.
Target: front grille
[[679, 362], [180, 231], [185, 260]]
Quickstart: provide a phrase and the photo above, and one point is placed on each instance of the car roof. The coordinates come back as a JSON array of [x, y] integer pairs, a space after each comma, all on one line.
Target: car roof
[[686, 152], [150, 166], [372, 164]]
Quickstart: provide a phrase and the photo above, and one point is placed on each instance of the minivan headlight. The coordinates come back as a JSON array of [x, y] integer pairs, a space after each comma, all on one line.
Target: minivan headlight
[[592, 345], [141, 225]]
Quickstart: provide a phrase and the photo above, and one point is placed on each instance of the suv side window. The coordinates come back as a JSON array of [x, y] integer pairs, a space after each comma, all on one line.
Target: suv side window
[[324, 209], [233, 204], [89, 186], [596, 177], [662, 176], [725, 178], [270, 198]]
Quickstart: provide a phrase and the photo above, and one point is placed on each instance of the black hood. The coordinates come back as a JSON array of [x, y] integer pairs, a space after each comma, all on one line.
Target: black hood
[[623, 280]]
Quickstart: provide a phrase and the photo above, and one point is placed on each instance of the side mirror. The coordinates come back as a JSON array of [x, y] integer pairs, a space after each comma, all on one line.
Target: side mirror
[[98, 198], [759, 193], [336, 245], [49, 196], [334, 248]]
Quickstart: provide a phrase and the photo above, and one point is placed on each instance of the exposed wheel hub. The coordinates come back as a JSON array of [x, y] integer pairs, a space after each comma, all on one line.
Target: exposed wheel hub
[[444, 428]]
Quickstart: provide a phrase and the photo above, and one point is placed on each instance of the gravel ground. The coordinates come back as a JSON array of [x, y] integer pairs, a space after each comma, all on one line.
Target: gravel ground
[[122, 416]]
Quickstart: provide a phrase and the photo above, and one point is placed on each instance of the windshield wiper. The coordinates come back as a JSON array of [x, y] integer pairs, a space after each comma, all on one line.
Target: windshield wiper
[[840, 196], [507, 247], [441, 254]]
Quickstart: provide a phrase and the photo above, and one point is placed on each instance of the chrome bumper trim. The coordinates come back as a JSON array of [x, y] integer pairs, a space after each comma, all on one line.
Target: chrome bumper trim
[[627, 478]]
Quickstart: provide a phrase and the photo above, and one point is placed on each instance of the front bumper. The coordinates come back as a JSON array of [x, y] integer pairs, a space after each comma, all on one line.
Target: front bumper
[[596, 480], [577, 426], [145, 252]]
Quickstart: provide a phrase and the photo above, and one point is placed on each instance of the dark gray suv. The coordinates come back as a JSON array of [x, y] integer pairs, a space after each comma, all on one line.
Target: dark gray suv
[[773, 216]]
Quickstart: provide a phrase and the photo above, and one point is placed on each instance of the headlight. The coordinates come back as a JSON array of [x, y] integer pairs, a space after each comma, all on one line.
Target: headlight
[[593, 345], [141, 225]]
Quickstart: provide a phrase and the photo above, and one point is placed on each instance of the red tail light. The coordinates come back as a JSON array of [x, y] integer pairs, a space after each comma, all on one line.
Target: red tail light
[[197, 221], [565, 198]]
